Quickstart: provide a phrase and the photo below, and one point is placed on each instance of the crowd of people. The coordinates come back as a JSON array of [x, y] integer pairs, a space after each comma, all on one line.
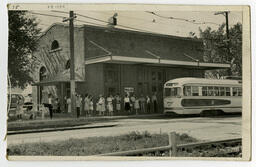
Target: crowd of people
[[113, 105]]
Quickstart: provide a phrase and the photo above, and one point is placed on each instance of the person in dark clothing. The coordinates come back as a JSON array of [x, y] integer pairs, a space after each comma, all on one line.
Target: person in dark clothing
[[78, 105], [49, 105]]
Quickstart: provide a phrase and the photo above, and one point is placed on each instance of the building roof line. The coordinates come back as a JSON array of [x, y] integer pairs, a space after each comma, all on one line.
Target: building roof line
[[105, 58], [57, 24], [144, 33], [120, 30]]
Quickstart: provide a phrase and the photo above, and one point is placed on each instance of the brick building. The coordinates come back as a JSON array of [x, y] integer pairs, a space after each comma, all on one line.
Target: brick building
[[111, 60]]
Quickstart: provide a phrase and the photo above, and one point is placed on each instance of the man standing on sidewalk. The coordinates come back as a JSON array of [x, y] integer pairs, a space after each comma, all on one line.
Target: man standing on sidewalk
[[47, 101], [154, 100], [78, 105], [50, 105]]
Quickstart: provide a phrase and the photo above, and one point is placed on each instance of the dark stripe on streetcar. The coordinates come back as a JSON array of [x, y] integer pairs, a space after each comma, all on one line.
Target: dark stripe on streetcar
[[204, 102]]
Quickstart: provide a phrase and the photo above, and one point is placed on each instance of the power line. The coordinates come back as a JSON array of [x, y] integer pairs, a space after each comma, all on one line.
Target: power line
[[42, 14], [82, 21], [57, 16], [181, 19], [146, 21], [124, 26], [96, 19], [88, 17], [134, 18]]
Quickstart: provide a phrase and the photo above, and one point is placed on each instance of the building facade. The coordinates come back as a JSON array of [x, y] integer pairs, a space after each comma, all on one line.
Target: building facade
[[109, 60]]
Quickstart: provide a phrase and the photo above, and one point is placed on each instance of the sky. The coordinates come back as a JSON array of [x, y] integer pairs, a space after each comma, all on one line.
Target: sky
[[148, 22]]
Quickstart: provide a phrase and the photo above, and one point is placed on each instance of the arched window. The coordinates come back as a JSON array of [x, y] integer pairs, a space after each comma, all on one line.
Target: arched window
[[42, 73], [55, 45], [67, 66]]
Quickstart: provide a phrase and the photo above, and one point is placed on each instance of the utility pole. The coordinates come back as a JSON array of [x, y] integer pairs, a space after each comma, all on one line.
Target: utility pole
[[225, 13], [227, 29], [72, 60]]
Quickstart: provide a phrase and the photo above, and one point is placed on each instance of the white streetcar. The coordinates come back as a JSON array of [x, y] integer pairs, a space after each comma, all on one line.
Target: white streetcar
[[202, 96]]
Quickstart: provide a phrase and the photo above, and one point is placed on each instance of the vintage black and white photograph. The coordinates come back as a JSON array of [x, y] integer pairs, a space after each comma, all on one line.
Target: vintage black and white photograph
[[118, 83]]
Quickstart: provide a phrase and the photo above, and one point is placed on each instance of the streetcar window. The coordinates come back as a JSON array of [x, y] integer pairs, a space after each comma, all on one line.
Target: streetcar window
[[204, 90], [227, 91], [222, 91], [210, 91], [167, 92], [216, 91], [235, 91], [195, 91], [239, 91], [172, 91], [187, 91]]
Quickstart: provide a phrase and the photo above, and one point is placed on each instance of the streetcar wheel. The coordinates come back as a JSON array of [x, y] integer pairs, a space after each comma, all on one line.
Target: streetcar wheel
[[208, 113], [204, 114], [171, 114]]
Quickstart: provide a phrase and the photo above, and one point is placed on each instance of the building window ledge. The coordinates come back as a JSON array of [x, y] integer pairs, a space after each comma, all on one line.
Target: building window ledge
[[55, 50]]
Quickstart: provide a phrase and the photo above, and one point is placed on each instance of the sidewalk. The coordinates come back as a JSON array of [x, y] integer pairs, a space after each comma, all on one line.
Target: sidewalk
[[60, 123]]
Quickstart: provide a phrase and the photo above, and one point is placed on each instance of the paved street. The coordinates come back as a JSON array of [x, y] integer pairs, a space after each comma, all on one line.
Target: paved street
[[199, 127]]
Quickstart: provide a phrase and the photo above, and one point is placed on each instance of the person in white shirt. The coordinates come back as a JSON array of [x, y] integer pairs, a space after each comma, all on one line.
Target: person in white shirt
[[86, 104], [154, 100], [148, 102], [110, 105], [132, 102], [102, 105], [127, 106], [91, 106], [118, 103], [50, 101], [69, 104]]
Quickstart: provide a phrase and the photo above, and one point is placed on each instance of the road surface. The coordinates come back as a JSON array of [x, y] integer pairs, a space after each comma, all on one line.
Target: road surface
[[202, 128]]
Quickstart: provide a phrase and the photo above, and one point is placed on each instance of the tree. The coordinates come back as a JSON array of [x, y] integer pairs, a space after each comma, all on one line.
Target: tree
[[219, 49], [22, 41]]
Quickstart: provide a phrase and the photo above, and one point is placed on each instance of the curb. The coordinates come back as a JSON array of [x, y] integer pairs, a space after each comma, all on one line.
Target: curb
[[58, 129]]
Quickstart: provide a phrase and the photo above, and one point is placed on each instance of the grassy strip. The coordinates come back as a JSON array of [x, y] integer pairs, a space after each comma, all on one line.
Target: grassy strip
[[96, 145], [131, 141]]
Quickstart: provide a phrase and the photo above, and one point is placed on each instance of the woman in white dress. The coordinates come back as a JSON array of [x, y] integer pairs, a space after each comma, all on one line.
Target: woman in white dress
[[110, 105], [137, 105], [102, 105], [90, 105], [69, 104], [86, 105], [118, 104]]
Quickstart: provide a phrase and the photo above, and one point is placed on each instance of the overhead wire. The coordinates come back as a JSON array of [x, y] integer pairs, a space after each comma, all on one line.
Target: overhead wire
[[152, 21], [193, 21], [57, 16], [88, 22], [100, 20], [43, 14]]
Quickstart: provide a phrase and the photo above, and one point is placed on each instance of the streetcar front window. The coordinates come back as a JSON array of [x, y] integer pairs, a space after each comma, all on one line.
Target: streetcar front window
[[174, 92], [187, 90], [195, 91]]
